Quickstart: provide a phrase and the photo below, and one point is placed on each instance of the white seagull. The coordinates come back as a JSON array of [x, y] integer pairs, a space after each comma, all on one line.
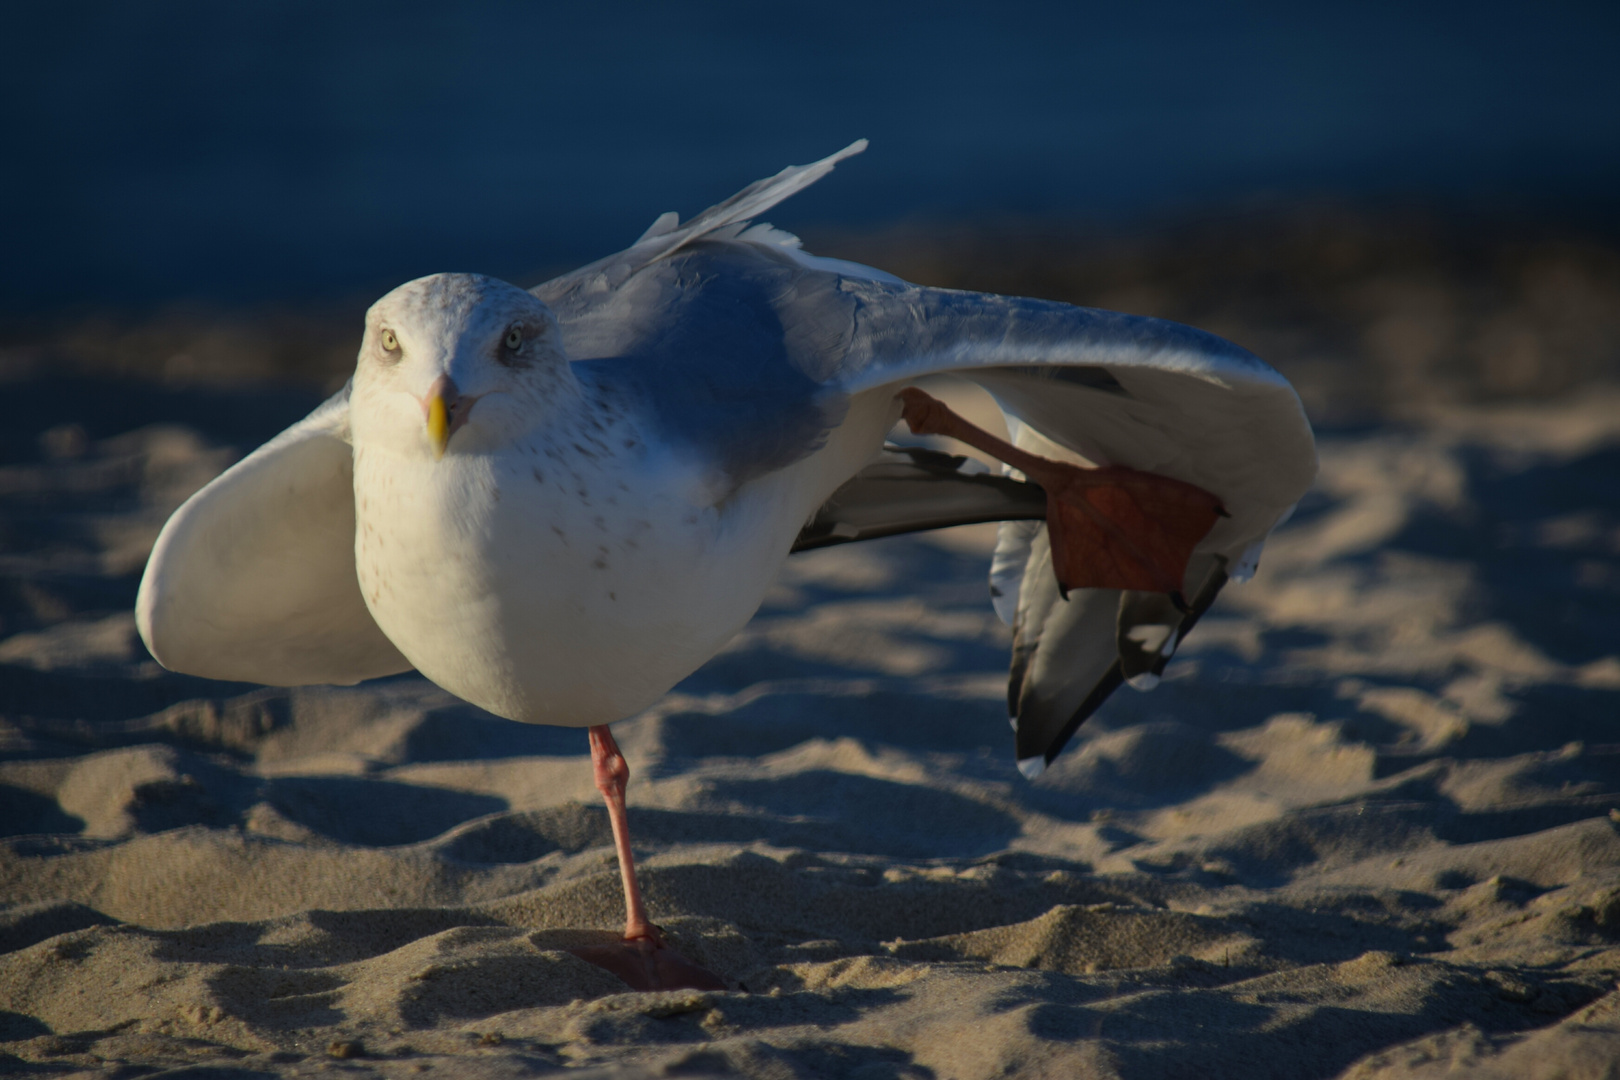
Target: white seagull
[[556, 504]]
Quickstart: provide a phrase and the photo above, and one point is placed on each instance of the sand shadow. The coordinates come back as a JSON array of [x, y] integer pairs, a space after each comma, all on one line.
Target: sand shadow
[[14, 1027], [523, 836], [280, 999], [375, 813], [896, 712], [1143, 766], [1209, 1034], [75, 708], [1268, 853], [313, 938], [24, 813], [819, 811], [29, 924], [1540, 542], [867, 815], [464, 733]]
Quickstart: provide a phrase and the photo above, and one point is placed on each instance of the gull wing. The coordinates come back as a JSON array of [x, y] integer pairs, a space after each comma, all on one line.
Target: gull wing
[[910, 489], [1071, 653], [746, 354], [726, 346], [746, 350], [721, 330], [253, 578], [1100, 388]]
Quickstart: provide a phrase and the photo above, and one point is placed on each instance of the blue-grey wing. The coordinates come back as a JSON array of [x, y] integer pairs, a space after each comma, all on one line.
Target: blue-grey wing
[[748, 352], [745, 350], [1113, 389], [730, 348], [1110, 389]]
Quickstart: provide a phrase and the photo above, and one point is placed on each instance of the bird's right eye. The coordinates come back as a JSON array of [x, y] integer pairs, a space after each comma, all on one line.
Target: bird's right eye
[[389, 341]]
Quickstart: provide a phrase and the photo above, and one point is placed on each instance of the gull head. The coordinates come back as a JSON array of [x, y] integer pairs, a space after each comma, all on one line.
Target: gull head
[[456, 363]]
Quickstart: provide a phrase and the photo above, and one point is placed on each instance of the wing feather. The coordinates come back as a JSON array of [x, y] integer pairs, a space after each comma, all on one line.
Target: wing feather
[[743, 345], [666, 235], [1104, 388], [253, 578]]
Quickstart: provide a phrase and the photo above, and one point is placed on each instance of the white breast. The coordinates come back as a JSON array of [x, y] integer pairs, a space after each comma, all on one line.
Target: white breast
[[556, 586]]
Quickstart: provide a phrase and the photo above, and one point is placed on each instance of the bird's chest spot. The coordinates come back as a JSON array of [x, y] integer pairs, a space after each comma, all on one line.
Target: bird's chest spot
[[575, 525], [594, 512]]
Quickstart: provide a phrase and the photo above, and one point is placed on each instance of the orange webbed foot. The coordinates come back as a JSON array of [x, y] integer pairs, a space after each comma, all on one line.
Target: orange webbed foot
[[647, 963], [1110, 528]]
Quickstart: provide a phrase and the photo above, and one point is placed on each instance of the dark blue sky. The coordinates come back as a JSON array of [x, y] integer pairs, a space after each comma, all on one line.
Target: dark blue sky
[[240, 152]]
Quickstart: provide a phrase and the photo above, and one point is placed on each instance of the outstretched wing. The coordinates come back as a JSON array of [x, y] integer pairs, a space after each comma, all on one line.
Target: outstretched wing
[[746, 350], [253, 577], [1100, 388], [745, 347], [724, 332], [1106, 388]]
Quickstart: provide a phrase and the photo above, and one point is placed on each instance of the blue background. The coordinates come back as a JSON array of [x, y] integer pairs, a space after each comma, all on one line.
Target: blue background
[[294, 151]]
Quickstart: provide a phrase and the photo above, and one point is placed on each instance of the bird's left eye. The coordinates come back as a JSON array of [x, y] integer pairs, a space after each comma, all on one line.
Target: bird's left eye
[[514, 337]]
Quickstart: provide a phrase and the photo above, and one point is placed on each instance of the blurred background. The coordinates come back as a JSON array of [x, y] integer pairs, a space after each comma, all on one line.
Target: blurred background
[[1398, 204]]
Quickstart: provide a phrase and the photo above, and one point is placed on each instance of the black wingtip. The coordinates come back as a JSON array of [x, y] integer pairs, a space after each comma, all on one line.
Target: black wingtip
[[1111, 681]]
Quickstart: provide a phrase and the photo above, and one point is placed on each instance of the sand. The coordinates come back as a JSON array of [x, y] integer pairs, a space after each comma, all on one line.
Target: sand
[[1366, 827]]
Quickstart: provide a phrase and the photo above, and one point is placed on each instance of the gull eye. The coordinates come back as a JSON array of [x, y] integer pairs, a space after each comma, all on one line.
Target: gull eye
[[389, 341], [514, 337]]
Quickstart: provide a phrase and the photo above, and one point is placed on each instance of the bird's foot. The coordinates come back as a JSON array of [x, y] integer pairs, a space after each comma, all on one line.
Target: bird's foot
[[640, 958], [647, 963], [1110, 528]]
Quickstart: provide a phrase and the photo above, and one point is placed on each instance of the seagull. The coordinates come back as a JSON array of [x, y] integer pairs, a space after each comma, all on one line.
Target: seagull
[[557, 503]]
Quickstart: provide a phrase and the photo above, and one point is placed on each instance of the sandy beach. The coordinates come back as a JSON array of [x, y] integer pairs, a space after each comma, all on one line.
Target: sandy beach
[[1368, 826]]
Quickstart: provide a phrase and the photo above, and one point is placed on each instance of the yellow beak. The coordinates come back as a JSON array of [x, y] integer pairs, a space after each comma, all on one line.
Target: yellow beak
[[438, 420], [444, 410]]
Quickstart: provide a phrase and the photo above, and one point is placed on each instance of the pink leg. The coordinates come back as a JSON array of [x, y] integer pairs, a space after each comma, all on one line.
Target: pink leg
[[612, 773], [641, 959]]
